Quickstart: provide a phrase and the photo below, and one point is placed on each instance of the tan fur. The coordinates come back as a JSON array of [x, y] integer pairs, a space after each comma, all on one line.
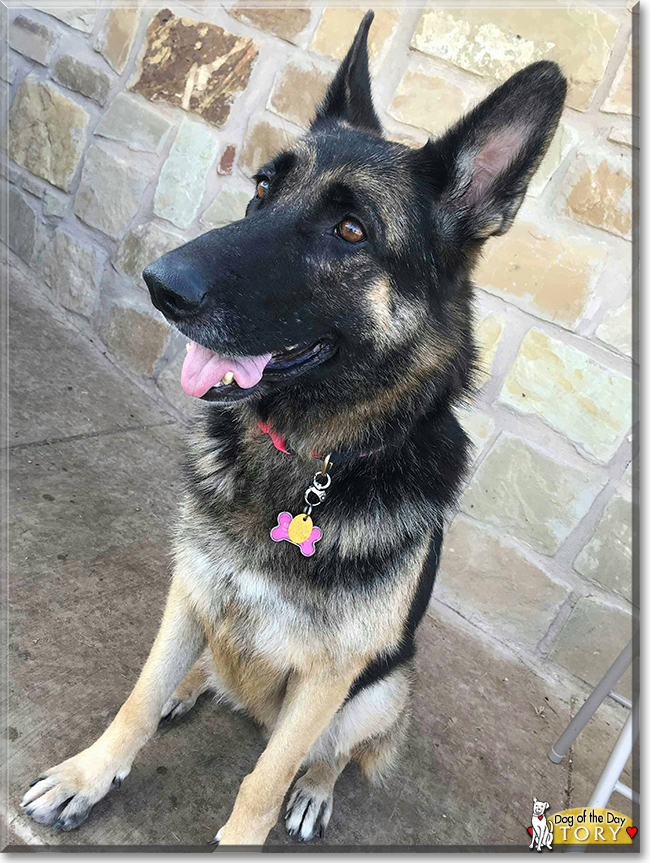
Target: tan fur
[[376, 757], [379, 296], [250, 680], [311, 699]]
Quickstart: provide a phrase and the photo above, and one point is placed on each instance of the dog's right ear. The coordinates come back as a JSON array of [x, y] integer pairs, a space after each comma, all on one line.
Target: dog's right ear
[[349, 96], [480, 169]]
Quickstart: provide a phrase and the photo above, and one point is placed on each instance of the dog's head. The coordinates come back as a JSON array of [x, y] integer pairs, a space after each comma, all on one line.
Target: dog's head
[[539, 807], [345, 290]]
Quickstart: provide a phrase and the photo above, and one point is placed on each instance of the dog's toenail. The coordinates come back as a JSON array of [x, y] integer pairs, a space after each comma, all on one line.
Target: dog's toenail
[[117, 782]]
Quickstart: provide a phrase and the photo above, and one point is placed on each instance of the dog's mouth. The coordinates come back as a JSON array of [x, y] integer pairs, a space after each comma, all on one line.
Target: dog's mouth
[[211, 376]]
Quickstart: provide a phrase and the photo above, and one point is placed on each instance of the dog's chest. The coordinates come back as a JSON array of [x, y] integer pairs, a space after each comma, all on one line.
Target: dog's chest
[[266, 615]]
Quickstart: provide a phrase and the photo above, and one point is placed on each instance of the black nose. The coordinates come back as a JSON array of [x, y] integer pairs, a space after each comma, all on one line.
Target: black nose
[[177, 288]]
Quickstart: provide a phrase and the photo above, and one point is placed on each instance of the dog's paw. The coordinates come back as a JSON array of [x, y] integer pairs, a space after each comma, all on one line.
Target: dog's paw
[[64, 795], [308, 811], [217, 838], [177, 707]]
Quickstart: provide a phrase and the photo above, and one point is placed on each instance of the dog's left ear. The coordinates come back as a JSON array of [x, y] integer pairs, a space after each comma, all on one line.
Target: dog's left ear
[[349, 96], [480, 169]]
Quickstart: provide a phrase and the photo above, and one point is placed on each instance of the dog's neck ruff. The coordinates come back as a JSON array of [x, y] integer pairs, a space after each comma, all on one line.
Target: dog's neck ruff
[[280, 443]]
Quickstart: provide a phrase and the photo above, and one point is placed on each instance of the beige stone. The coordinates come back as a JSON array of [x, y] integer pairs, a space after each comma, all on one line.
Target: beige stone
[[135, 123], [194, 64], [591, 640], [73, 271], [619, 99], [489, 582], [32, 39], [286, 23], [337, 27], [607, 558], [228, 206], [298, 89], [33, 186], [526, 494], [136, 338], [599, 193], [80, 18], [181, 184], [22, 225], [623, 133], [263, 141], [552, 278], [616, 328], [47, 132], [83, 78], [563, 142], [590, 404], [110, 191], [489, 332], [141, 246], [414, 138], [115, 40], [478, 425], [497, 42], [54, 205], [428, 102]]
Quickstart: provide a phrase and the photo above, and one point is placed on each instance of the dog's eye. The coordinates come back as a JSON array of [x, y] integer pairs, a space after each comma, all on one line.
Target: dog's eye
[[262, 188], [350, 231]]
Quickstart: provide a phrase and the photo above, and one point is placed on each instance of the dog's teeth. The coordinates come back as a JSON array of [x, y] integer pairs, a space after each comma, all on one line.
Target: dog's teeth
[[188, 346], [228, 378], [291, 347]]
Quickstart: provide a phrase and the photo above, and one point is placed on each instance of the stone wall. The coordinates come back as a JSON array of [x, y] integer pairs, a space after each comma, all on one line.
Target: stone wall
[[134, 129]]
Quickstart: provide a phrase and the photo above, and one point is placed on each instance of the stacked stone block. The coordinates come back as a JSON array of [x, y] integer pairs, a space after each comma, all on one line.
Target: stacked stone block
[[132, 130]]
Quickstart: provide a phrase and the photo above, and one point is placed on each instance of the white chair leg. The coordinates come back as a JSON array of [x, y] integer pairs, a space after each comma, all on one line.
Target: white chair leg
[[611, 775], [600, 692]]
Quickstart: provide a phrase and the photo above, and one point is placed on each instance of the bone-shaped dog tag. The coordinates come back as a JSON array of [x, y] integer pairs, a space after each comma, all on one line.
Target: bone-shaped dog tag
[[299, 530]]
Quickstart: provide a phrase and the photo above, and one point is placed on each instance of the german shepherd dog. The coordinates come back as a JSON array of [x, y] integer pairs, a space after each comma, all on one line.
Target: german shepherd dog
[[333, 322]]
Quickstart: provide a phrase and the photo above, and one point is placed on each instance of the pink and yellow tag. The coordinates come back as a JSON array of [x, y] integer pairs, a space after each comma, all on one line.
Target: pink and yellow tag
[[298, 530]]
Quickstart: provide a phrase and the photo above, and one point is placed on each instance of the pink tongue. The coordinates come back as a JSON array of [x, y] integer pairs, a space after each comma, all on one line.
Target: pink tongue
[[203, 370]]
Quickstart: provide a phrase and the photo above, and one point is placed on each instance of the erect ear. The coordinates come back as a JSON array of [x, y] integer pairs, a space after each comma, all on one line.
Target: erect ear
[[349, 96], [480, 169]]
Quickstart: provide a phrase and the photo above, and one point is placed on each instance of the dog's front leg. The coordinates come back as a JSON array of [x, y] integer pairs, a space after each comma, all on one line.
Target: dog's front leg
[[312, 699], [65, 794]]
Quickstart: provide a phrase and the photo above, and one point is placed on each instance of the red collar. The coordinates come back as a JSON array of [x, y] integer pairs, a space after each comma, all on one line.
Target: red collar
[[278, 442]]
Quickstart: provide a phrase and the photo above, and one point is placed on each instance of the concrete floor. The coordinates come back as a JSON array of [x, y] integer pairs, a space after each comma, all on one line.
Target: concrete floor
[[93, 485]]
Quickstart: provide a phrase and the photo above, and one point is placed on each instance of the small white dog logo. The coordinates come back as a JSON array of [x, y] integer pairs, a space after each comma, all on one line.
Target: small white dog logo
[[542, 831]]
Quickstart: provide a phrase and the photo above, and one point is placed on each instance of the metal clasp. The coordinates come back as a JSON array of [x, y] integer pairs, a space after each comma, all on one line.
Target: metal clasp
[[321, 481]]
